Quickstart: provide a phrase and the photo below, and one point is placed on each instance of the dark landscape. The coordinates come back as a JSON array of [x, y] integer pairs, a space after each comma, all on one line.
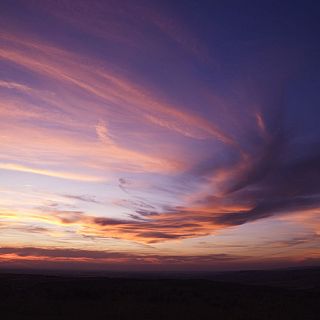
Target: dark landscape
[[278, 294]]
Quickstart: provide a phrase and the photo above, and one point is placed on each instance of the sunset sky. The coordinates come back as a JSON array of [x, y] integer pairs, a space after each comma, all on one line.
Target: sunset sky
[[159, 135]]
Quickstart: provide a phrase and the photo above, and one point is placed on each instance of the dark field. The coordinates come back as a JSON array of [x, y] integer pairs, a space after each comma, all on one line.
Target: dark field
[[289, 294]]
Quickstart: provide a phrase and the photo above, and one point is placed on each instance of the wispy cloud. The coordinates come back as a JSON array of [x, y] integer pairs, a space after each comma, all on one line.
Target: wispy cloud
[[103, 84], [50, 173]]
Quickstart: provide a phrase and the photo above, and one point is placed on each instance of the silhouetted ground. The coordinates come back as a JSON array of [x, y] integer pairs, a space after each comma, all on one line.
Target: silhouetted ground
[[290, 294]]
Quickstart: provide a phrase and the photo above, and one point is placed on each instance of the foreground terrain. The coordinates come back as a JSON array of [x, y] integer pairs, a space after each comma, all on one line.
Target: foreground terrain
[[237, 295]]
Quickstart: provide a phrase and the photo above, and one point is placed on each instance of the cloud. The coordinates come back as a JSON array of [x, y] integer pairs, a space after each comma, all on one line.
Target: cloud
[[268, 185], [151, 228], [78, 101], [307, 240], [267, 182], [101, 83], [84, 198], [16, 86], [50, 173], [104, 258]]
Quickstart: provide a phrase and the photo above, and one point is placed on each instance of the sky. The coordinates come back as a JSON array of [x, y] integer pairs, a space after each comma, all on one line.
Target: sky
[[159, 135]]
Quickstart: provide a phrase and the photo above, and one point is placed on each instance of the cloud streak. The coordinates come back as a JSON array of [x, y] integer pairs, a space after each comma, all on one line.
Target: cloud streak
[[107, 257], [49, 173]]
